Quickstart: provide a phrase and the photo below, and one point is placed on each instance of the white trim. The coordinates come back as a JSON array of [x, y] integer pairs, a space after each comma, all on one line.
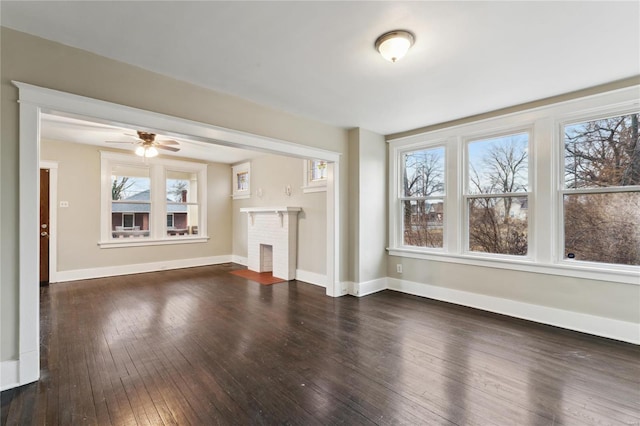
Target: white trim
[[33, 100], [29, 244], [583, 270], [311, 189], [240, 260], [9, 377], [368, 287], [585, 323], [53, 217], [138, 242], [139, 268], [311, 278]]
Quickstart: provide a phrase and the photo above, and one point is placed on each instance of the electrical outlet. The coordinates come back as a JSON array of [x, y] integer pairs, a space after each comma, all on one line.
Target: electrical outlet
[[64, 204], [399, 268]]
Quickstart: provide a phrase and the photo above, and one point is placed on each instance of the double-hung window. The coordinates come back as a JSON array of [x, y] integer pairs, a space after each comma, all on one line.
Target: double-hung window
[[151, 201], [601, 190], [496, 195], [421, 197], [182, 202]]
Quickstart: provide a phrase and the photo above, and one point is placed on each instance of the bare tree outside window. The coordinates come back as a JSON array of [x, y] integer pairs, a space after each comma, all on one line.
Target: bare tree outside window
[[423, 197], [498, 221], [601, 199]]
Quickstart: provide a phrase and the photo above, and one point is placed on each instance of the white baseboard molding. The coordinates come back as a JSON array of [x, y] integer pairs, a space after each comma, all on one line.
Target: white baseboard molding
[[139, 268], [311, 278], [368, 287], [585, 323], [9, 374], [240, 260]]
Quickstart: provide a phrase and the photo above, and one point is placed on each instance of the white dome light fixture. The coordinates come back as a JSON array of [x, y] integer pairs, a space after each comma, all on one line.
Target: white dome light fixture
[[394, 44]]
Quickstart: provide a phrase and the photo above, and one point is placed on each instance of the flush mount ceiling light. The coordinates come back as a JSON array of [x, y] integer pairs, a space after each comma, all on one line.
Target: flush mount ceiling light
[[394, 44]]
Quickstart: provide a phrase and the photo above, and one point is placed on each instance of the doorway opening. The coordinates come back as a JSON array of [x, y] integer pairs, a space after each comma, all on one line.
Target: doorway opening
[[33, 101]]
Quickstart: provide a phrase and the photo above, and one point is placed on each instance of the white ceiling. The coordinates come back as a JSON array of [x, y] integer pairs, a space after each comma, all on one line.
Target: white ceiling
[[79, 130], [316, 59]]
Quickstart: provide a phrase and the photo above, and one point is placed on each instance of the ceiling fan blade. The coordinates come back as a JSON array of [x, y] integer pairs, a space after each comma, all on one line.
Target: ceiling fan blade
[[121, 142], [167, 148], [168, 142]]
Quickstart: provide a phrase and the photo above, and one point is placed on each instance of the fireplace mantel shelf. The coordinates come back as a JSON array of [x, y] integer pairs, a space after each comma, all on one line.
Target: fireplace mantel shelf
[[280, 211]]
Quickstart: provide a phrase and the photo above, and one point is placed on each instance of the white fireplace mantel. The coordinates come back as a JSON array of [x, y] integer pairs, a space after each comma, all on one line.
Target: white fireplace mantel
[[252, 211], [272, 240]]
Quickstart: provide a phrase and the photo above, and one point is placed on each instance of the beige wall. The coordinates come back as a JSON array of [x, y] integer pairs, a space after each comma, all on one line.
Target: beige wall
[[272, 173], [599, 298], [44, 63], [367, 205], [78, 228]]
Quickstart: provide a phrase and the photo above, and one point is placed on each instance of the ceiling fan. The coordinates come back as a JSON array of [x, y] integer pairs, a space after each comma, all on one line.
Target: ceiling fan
[[148, 145]]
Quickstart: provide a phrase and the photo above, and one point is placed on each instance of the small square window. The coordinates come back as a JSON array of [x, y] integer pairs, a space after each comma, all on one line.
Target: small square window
[[241, 181], [315, 176]]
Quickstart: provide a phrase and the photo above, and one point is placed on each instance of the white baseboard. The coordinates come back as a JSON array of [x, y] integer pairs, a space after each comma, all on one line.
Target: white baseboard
[[139, 268], [585, 323], [368, 287], [311, 278], [9, 374], [240, 260]]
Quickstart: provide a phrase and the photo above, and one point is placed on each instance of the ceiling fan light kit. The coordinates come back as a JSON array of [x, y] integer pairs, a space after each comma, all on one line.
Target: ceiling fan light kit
[[148, 145], [146, 151], [393, 45]]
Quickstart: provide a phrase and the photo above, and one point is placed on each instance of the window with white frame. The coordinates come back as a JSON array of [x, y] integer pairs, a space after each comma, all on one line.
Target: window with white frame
[[182, 202], [151, 201], [315, 176], [496, 195], [601, 190], [554, 189], [130, 200], [422, 197], [241, 181]]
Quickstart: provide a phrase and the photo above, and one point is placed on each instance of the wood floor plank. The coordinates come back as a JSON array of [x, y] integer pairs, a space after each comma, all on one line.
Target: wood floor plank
[[200, 346]]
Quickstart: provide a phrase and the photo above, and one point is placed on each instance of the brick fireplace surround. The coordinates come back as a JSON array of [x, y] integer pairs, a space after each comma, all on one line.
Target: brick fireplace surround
[[272, 240]]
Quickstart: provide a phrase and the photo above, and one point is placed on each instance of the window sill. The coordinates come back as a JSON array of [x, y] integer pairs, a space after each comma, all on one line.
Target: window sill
[[149, 242], [586, 270], [241, 196], [314, 188]]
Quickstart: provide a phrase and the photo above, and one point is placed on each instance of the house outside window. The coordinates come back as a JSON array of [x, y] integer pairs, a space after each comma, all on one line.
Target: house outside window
[[182, 202], [151, 202], [315, 176], [130, 201]]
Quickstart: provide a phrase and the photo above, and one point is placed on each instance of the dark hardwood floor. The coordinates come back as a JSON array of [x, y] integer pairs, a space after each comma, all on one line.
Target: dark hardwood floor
[[202, 346]]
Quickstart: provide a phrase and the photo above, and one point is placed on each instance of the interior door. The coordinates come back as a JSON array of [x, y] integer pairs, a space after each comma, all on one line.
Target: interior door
[[44, 226]]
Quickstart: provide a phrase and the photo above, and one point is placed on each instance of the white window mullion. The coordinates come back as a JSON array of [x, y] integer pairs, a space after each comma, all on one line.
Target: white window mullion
[[454, 219], [158, 202], [202, 201]]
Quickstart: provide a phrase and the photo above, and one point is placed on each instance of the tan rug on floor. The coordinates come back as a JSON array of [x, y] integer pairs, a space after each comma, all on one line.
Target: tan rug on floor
[[264, 278]]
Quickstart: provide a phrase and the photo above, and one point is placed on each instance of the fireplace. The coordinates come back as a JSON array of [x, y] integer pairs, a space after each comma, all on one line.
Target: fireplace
[[272, 238]]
